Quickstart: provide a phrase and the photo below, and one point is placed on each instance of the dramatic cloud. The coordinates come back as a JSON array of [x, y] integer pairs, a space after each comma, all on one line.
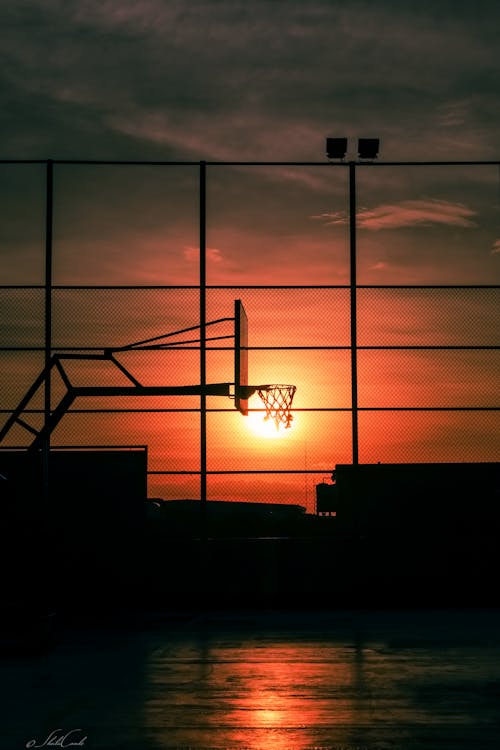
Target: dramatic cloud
[[219, 79], [224, 81], [232, 80], [410, 213], [212, 253]]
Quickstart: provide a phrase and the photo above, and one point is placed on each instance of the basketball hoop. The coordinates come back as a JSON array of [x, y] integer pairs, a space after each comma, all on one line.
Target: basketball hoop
[[278, 402]]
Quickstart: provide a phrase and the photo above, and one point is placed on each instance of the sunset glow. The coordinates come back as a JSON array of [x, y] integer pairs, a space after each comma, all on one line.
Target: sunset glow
[[126, 261], [250, 374], [266, 428]]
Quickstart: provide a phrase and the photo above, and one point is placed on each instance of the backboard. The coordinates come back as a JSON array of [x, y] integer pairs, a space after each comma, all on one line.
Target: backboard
[[240, 357]]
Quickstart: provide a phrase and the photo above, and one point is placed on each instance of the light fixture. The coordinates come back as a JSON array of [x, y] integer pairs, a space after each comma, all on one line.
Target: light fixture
[[336, 148], [368, 148]]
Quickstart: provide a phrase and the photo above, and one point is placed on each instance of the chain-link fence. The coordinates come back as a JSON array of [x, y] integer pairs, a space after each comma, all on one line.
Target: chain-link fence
[[387, 325]]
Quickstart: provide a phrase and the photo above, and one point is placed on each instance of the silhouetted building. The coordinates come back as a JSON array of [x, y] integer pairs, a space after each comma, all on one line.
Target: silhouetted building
[[229, 518], [430, 498], [326, 498], [80, 533]]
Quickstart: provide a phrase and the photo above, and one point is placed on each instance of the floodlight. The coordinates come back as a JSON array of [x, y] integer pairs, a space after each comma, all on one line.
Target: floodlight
[[368, 148], [336, 148]]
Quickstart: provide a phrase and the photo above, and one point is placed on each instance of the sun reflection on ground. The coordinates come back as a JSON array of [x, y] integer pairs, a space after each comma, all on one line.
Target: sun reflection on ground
[[264, 696]]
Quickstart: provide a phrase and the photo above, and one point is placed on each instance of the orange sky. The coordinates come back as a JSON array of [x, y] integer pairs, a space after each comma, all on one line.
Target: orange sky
[[267, 226]]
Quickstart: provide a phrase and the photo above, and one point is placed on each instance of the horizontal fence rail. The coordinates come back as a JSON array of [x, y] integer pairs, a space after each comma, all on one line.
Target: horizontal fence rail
[[443, 371]]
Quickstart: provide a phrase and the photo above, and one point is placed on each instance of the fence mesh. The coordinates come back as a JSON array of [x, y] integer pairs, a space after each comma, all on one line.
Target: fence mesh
[[126, 267]]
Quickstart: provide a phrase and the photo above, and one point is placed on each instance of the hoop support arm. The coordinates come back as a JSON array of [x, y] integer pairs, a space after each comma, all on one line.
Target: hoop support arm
[[245, 391], [211, 389], [141, 344]]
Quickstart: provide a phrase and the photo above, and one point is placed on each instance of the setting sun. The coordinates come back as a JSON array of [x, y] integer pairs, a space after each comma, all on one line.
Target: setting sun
[[264, 427]]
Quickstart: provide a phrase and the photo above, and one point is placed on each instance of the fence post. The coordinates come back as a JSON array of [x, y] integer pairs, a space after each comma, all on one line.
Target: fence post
[[353, 310], [49, 211], [203, 348]]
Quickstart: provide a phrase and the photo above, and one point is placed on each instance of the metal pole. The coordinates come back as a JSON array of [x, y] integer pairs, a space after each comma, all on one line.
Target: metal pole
[[353, 300], [49, 210], [203, 349]]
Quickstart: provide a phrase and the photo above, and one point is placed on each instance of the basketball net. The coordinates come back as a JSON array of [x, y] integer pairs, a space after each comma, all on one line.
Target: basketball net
[[278, 402]]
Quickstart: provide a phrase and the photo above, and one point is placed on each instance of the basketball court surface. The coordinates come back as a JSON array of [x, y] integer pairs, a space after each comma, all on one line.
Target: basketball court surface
[[404, 680]]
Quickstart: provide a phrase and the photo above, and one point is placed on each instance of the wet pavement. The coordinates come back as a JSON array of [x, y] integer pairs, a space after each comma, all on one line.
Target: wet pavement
[[265, 680]]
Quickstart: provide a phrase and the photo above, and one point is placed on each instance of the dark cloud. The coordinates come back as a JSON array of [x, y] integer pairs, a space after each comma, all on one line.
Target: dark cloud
[[237, 80], [220, 80]]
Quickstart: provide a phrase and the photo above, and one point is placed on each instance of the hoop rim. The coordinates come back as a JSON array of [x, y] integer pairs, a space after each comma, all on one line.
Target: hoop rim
[[275, 386]]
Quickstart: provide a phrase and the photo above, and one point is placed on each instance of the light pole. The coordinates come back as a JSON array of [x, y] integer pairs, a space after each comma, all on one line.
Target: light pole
[[336, 148]]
